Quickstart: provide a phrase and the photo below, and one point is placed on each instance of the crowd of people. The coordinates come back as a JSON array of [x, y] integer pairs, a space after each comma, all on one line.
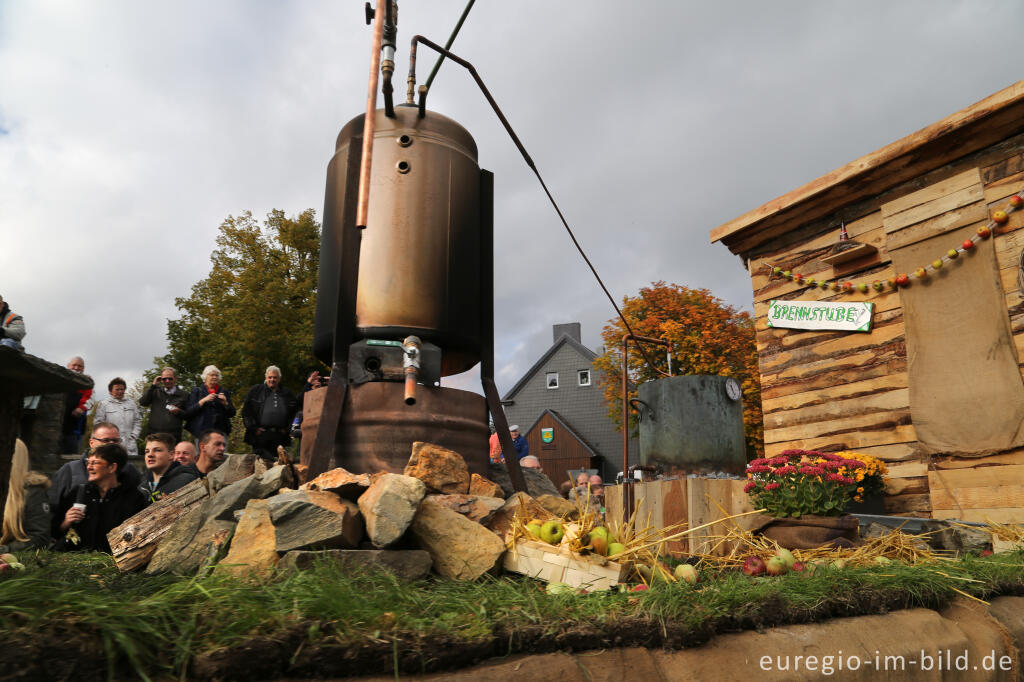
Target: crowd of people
[[96, 492]]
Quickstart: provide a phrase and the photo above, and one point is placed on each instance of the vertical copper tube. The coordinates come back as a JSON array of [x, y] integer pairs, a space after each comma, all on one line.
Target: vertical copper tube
[[371, 113], [627, 481], [411, 362]]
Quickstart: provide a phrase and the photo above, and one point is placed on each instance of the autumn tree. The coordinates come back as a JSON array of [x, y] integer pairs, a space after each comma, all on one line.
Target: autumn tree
[[256, 306], [707, 337]]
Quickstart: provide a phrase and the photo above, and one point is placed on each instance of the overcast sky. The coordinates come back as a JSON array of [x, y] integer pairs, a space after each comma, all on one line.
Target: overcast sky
[[130, 130]]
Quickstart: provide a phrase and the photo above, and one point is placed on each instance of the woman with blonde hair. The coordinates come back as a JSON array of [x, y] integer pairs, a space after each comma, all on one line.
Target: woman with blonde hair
[[27, 510]]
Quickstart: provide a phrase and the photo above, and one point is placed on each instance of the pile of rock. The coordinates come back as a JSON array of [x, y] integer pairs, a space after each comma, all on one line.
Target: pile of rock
[[245, 518]]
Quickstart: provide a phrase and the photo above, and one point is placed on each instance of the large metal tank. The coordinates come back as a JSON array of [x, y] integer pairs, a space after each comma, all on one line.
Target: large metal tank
[[692, 425], [377, 428], [419, 270]]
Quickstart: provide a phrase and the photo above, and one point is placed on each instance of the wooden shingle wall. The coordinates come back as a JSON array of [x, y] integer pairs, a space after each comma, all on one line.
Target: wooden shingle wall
[[849, 391]]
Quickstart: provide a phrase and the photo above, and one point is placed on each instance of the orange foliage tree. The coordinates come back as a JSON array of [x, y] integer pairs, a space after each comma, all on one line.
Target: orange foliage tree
[[707, 337]]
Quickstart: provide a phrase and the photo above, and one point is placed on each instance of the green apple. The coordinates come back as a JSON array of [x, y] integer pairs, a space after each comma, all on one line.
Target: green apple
[[686, 573], [787, 557], [551, 532], [775, 566], [534, 528], [602, 531], [616, 548]]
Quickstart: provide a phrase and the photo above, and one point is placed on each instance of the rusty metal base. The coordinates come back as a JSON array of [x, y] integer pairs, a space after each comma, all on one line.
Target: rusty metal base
[[377, 428]]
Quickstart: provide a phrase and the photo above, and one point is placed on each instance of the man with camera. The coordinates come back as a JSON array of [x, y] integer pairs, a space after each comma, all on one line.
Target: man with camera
[[166, 403]]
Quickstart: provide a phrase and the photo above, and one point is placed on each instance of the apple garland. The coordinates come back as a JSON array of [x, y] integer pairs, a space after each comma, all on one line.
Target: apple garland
[[1000, 217]]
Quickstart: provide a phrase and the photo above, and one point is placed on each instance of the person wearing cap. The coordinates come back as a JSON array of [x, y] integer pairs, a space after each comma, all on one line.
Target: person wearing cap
[[519, 442], [12, 326]]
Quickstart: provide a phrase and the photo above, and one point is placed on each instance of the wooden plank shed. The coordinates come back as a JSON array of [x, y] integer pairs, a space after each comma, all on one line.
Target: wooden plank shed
[[936, 387]]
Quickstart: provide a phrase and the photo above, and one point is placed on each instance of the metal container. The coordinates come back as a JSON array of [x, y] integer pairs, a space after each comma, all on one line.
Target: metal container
[[692, 424], [378, 429], [419, 269]]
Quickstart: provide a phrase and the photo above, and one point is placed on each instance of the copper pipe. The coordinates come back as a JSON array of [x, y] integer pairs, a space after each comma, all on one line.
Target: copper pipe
[[627, 482], [371, 112], [411, 362]]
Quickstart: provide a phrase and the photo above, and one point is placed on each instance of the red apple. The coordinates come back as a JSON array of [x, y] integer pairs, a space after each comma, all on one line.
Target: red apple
[[902, 280], [1016, 201], [847, 287], [968, 245], [984, 232], [1000, 217], [798, 278], [754, 565]]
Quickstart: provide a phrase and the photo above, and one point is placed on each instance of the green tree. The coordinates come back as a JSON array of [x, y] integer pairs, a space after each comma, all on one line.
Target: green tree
[[707, 337], [254, 309]]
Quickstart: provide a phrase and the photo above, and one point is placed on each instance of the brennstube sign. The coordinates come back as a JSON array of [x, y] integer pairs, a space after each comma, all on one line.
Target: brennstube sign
[[853, 316]]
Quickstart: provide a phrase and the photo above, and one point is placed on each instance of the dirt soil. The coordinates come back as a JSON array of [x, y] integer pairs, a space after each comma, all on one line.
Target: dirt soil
[[81, 656]]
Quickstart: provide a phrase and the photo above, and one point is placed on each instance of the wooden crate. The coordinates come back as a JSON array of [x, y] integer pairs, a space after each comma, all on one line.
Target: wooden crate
[[556, 564], [694, 501]]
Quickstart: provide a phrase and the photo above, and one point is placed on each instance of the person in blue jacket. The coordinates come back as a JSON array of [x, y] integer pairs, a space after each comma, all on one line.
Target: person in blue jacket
[[519, 442]]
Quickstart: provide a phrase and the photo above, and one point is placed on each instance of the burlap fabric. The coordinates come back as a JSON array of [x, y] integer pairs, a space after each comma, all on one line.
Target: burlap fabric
[[809, 532]]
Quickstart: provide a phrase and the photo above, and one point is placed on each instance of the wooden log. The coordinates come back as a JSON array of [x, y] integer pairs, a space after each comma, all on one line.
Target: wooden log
[[995, 515], [134, 542], [884, 420], [1012, 457], [978, 498], [854, 389], [827, 411], [832, 348], [851, 440], [929, 197], [902, 505]]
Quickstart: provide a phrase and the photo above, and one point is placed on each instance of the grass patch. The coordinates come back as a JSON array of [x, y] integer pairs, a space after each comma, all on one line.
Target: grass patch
[[75, 615]]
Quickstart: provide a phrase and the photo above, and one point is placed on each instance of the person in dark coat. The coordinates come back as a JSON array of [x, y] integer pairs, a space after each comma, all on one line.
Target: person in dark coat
[[166, 402], [73, 474], [267, 413], [209, 406], [93, 509], [26, 522], [76, 404], [163, 475]]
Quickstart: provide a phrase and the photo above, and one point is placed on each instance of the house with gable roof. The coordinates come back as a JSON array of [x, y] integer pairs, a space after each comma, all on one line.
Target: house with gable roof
[[560, 409]]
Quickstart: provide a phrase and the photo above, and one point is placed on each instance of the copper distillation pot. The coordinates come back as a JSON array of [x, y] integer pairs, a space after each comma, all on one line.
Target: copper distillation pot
[[405, 291]]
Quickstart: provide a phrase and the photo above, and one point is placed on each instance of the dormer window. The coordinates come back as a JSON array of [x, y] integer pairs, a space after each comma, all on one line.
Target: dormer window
[[551, 379]]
